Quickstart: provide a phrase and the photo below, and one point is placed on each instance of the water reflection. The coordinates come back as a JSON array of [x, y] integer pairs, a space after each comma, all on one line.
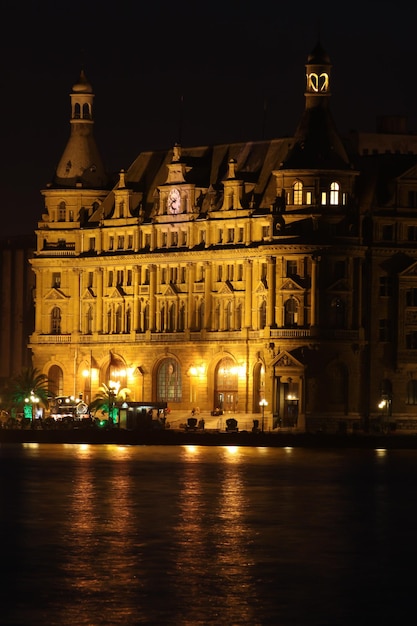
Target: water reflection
[[190, 535]]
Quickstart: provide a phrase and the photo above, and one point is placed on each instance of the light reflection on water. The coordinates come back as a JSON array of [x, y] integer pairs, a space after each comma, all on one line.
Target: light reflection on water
[[109, 535]]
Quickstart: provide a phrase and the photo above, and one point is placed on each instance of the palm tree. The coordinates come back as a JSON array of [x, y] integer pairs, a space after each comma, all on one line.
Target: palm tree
[[107, 397], [29, 388]]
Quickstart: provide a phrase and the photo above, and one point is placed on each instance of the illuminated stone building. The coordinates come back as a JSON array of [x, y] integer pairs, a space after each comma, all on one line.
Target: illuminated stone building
[[219, 276]]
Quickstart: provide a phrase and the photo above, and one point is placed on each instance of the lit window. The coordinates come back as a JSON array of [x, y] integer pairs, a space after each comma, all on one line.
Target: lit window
[[298, 192], [334, 193]]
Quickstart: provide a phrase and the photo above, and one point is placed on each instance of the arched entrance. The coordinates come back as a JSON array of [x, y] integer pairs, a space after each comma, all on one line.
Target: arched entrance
[[226, 386], [288, 392]]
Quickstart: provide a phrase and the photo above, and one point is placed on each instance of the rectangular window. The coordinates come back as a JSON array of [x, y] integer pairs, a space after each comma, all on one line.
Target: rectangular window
[[219, 273], [71, 216], [56, 280], [111, 243], [174, 239], [90, 279], [323, 198], [308, 197], [163, 276], [119, 277], [291, 268], [220, 236], [183, 238], [120, 242], [385, 286], [183, 274], [174, 274], [164, 240], [110, 282], [92, 243], [129, 242], [411, 340], [230, 235], [411, 297], [129, 278], [265, 232], [147, 240], [412, 199], [264, 269], [240, 271], [240, 235]]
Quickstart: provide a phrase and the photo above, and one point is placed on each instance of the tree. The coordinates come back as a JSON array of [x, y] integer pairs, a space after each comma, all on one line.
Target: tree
[[106, 399], [29, 388]]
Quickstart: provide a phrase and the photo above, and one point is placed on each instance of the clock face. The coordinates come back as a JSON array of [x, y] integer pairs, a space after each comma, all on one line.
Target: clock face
[[174, 201]]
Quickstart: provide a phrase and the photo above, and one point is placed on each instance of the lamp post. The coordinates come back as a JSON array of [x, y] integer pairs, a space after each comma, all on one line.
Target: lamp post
[[263, 403], [31, 401], [113, 391]]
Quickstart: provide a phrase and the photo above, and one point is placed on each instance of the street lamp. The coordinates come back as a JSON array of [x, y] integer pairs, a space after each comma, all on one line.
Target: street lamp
[[114, 387], [263, 403], [31, 401]]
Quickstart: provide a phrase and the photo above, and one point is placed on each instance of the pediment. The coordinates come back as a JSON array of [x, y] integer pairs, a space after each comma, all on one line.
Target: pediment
[[261, 288], [285, 359], [408, 175], [116, 294], [411, 270], [55, 294], [170, 291], [291, 285], [88, 294], [226, 289], [339, 285]]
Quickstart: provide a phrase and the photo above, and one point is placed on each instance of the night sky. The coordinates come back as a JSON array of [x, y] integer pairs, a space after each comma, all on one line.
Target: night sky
[[224, 60]]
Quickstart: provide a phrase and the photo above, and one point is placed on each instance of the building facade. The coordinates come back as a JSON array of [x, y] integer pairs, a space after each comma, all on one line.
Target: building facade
[[223, 276]]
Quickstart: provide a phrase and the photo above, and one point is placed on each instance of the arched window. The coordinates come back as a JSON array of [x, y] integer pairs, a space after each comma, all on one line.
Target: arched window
[[118, 320], [128, 320], [77, 111], [169, 381], [89, 321], [146, 317], [162, 318], [228, 316], [55, 381], [239, 317], [62, 212], [181, 318], [334, 193], [86, 111], [291, 312], [298, 192], [56, 321], [226, 386]]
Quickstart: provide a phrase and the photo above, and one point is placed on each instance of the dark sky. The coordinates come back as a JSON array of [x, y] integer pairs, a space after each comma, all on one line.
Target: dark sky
[[225, 59]]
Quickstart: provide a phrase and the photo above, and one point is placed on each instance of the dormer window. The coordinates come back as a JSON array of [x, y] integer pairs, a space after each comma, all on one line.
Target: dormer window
[[298, 192], [62, 212], [334, 193]]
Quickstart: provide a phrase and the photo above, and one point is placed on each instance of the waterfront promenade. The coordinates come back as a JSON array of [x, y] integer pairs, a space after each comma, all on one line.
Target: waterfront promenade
[[280, 439]]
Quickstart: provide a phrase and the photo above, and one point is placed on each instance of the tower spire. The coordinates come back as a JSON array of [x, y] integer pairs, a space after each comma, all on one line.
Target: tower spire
[[81, 164]]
